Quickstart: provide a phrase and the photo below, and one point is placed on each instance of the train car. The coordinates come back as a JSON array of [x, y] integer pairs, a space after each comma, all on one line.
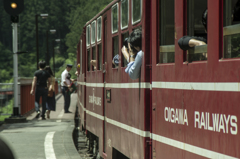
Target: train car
[[184, 104]]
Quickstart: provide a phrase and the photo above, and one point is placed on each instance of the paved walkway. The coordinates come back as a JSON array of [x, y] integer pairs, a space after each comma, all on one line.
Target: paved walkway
[[44, 139]]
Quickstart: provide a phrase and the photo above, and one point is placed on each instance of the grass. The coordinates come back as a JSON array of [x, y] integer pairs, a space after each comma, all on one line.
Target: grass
[[6, 110]]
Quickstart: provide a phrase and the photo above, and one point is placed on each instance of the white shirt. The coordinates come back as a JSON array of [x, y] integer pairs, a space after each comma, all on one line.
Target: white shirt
[[64, 78]]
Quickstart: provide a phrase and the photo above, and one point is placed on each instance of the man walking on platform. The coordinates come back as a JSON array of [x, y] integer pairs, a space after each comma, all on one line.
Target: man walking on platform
[[65, 84], [40, 83]]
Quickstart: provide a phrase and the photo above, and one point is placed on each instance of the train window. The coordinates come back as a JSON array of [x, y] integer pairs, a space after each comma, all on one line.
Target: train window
[[231, 30], [100, 57], [136, 11], [88, 35], [195, 11], [88, 60], [115, 48], [93, 32], [115, 18], [124, 14], [93, 57], [124, 61], [167, 30], [99, 28]]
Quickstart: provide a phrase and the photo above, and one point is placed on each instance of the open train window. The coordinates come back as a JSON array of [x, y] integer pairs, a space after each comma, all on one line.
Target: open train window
[[124, 61], [100, 57], [136, 11], [124, 14], [167, 30], [99, 29], [115, 49], [195, 11], [93, 32], [88, 60], [231, 30], [115, 18], [88, 35]]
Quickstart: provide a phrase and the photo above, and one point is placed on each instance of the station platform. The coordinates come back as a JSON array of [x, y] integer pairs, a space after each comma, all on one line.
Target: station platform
[[44, 139]]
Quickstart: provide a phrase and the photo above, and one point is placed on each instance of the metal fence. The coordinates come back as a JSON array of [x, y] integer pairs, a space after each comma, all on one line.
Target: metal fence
[[6, 98]]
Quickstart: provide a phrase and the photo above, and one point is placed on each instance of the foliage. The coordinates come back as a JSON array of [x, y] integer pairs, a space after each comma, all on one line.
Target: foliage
[[67, 17]]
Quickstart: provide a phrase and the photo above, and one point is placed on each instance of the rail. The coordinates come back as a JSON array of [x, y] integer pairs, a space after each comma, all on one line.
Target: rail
[[6, 99], [232, 29], [26, 101], [167, 48]]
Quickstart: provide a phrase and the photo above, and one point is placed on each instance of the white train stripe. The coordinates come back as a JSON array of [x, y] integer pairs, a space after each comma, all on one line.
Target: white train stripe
[[95, 84], [204, 86], [128, 85], [118, 85], [190, 148], [177, 144], [129, 128], [95, 115]]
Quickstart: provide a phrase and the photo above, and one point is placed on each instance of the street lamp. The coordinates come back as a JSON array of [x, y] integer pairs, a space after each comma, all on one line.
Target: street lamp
[[52, 31], [44, 16], [57, 40]]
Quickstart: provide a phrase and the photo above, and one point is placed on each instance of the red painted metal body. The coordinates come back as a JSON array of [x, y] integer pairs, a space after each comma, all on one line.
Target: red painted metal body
[[138, 120]]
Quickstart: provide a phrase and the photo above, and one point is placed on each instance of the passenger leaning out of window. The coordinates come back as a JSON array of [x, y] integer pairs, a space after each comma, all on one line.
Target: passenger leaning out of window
[[94, 63], [134, 54], [187, 42]]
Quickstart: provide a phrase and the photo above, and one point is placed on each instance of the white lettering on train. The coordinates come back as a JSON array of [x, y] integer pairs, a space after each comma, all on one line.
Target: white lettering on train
[[95, 100], [220, 122], [178, 116]]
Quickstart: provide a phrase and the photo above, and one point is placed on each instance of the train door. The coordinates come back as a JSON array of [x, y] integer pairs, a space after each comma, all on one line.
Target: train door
[[163, 65]]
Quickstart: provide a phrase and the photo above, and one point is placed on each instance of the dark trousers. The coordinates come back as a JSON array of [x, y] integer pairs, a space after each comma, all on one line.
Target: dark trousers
[[67, 98], [41, 92]]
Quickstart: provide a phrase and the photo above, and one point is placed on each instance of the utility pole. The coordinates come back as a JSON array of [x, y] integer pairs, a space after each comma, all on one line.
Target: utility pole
[[14, 8], [15, 69]]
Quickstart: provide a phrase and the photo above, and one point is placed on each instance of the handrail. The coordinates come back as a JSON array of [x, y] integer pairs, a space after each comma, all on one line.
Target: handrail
[[232, 29], [167, 48], [198, 49]]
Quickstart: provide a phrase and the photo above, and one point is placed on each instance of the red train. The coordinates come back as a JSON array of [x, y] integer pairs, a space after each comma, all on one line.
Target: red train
[[185, 104]]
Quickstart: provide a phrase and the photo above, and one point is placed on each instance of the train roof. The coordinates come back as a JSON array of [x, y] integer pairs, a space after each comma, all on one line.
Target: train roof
[[101, 12]]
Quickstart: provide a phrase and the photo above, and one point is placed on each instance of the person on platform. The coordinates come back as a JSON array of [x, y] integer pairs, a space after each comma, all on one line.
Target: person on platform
[[51, 102], [65, 85], [39, 83]]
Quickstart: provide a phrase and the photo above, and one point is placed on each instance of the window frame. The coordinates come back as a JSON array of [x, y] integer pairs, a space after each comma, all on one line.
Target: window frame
[[93, 42], [81, 56], [133, 23], [128, 15], [112, 18], [88, 44], [100, 29]]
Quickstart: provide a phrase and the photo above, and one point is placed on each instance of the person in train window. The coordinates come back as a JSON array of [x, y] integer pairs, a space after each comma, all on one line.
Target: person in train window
[[115, 60], [135, 54], [94, 63], [187, 42]]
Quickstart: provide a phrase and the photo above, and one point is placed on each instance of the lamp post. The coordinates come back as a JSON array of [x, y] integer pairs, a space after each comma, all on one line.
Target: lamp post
[[53, 31], [36, 20], [57, 40]]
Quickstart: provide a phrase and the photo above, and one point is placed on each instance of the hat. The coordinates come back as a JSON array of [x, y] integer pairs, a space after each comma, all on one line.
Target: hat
[[69, 65]]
